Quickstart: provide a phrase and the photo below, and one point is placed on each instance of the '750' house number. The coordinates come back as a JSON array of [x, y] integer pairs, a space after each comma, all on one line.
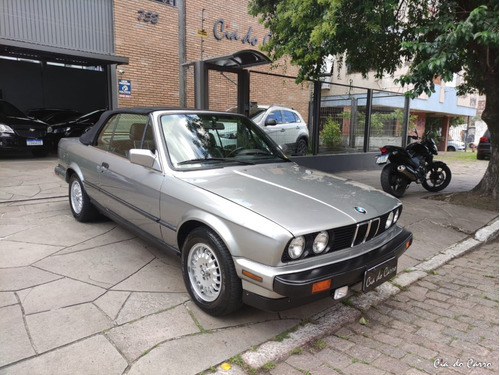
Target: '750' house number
[[148, 16]]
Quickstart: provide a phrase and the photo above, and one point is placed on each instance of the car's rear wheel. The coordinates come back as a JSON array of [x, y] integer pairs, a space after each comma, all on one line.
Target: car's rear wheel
[[81, 207], [450, 148], [209, 273], [392, 181]]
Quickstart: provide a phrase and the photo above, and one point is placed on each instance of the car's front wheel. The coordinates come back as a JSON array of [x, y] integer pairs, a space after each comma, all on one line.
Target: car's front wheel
[[301, 148], [209, 273], [81, 207]]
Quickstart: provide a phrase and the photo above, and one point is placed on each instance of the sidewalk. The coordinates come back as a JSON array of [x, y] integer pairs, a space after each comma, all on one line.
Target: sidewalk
[[93, 299], [442, 324]]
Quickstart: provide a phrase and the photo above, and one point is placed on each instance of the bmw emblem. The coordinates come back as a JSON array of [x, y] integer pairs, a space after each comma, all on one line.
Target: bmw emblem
[[361, 210]]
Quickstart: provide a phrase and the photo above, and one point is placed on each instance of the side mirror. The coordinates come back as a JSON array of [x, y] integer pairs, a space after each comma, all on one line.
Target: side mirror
[[270, 122], [142, 157]]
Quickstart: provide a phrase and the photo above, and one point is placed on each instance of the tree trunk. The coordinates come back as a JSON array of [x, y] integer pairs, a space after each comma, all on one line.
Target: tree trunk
[[488, 186]]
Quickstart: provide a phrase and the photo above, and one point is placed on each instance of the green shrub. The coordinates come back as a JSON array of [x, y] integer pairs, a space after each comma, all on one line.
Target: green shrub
[[331, 135]]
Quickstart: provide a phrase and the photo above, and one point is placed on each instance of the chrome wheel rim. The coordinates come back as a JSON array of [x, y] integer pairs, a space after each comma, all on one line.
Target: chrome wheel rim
[[76, 197], [204, 272]]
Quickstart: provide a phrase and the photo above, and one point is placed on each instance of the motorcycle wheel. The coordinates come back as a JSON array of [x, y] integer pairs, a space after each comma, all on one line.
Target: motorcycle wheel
[[392, 181], [437, 177]]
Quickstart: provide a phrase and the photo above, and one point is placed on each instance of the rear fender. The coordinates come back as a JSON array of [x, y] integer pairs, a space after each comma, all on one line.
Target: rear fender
[[72, 169]]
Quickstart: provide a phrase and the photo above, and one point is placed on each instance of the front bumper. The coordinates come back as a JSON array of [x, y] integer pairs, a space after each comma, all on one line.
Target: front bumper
[[15, 142], [298, 286]]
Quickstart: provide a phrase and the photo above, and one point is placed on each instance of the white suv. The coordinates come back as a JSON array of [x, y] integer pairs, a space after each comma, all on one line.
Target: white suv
[[284, 125]]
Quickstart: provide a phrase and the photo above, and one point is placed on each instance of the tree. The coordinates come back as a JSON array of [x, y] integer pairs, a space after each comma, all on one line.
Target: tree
[[436, 38]]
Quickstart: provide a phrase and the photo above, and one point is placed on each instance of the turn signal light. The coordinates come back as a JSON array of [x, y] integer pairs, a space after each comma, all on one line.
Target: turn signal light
[[408, 244], [321, 285], [252, 276]]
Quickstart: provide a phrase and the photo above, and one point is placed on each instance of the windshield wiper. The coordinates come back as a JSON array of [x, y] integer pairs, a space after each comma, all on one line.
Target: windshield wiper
[[208, 160]]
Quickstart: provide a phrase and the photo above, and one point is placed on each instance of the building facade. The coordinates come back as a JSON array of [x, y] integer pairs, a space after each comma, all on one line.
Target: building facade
[[92, 54]]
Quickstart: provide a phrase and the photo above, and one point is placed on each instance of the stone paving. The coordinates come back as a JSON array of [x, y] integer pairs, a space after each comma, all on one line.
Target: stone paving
[[94, 299], [445, 323]]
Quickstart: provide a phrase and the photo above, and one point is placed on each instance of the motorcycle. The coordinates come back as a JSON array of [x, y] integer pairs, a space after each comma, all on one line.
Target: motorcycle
[[413, 164]]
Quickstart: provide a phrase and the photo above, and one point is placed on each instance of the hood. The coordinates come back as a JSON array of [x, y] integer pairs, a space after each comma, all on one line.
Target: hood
[[299, 199], [22, 122]]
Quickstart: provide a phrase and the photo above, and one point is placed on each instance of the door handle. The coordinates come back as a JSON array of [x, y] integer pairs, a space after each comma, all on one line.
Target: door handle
[[105, 165], [282, 130]]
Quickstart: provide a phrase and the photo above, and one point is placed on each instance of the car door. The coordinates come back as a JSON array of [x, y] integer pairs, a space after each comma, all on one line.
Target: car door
[[291, 123], [132, 191], [276, 132]]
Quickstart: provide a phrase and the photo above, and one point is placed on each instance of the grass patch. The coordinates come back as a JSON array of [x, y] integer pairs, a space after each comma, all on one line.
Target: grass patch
[[319, 344]]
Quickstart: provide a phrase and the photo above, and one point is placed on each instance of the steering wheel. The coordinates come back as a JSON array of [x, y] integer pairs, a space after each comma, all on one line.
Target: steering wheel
[[236, 151]]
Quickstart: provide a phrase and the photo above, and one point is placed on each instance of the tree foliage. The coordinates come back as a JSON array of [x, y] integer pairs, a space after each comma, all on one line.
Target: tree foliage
[[434, 38]]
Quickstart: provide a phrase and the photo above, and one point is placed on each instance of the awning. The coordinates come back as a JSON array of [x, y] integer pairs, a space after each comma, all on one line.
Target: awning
[[241, 59], [33, 51]]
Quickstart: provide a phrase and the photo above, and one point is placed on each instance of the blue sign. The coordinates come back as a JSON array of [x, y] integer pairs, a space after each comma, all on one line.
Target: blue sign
[[124, 87]]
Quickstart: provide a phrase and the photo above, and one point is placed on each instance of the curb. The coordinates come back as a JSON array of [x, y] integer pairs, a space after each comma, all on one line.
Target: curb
[[332, 319]]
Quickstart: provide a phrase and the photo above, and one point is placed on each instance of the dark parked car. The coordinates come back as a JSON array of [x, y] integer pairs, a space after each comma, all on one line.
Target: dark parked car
[[19, 132], [73, 128], [54, 116], [484, 146]]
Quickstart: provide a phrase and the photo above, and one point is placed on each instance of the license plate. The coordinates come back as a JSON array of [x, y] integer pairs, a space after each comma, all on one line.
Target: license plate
[[382, 159], [34, 142], [380, 274]]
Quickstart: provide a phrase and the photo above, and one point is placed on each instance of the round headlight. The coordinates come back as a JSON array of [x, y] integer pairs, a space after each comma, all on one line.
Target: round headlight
[[296, 247], [49, 129], [320, 242], [396, 215], [388, 222]]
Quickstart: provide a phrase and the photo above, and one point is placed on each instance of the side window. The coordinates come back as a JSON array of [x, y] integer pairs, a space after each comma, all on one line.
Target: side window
[[106, 134], [124, 132], [290, 116], [276, 114]]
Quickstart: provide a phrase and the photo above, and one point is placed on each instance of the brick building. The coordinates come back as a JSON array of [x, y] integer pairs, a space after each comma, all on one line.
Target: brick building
[[91, 54], [135, 51]]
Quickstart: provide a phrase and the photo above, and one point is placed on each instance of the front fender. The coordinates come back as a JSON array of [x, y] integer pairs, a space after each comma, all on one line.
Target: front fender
[[259, 239]]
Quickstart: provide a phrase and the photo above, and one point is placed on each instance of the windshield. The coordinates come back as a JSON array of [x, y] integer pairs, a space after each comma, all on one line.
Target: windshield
[[208, 141], [257, 115]]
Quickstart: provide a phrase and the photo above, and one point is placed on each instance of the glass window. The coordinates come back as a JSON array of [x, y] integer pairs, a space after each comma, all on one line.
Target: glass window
[[104, 139], [290, 116], [205, 140], [276, 115], [124, 132]]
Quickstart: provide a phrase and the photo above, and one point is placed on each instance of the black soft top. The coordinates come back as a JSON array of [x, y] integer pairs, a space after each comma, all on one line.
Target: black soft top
[[90, 137]]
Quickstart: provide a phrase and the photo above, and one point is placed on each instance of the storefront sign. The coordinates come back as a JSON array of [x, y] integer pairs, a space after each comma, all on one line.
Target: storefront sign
[[124, 88], [223, 30]]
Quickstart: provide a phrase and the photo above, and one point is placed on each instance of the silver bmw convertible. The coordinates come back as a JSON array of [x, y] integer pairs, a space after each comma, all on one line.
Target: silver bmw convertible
[[249, 225]]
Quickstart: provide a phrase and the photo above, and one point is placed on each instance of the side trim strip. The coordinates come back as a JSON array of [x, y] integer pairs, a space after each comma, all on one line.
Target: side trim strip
[[137, 230], [132, 207]]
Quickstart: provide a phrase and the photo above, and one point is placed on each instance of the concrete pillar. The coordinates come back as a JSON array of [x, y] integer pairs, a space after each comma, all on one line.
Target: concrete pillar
[[445, 127]]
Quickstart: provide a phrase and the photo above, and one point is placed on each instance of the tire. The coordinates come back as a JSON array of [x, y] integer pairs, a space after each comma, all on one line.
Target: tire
[[438, 177], [301, 147], [392, 181], [79, 201], [450, 148], [209, 273]]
